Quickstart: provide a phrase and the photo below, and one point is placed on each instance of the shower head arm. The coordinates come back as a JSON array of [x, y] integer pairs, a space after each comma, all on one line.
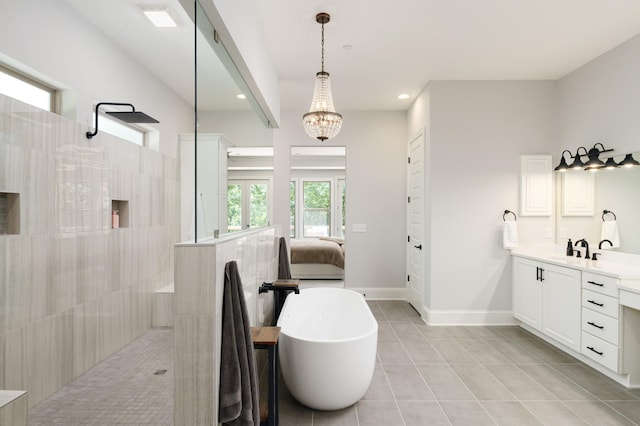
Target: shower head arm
[[95, 132]]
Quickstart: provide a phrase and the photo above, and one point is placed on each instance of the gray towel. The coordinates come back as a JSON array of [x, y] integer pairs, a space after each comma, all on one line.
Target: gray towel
[[239, 404], [284, 270]]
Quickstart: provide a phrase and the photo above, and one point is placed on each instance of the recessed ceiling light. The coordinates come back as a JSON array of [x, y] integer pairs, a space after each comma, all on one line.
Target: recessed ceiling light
[[403, 96], [347, 47], [241, 96], [159, 16]]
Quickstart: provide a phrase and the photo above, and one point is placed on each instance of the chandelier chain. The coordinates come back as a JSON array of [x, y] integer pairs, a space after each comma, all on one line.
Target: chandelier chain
[[322, 53]]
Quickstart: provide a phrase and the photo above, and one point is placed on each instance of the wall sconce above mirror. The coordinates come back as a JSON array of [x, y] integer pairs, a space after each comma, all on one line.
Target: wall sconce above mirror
[[593, 163]]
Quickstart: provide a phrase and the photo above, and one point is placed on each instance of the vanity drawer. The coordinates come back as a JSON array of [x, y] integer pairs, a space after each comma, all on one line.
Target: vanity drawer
[[600, 351], [600, 303], [600, 325], [600, 284]]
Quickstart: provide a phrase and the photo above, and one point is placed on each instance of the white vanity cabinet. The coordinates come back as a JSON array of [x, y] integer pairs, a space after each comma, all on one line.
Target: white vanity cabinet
[[600, 320], [547, 297]]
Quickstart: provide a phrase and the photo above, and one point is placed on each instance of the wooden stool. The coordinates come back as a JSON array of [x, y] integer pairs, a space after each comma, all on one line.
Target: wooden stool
[[267, 338]]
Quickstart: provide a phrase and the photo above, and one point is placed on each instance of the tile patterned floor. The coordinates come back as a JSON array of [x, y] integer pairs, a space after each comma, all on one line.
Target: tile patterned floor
[[424, 376], [121, 390]]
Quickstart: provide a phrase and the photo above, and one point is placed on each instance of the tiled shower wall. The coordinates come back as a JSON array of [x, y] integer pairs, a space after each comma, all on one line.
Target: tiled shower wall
[[72, 289]]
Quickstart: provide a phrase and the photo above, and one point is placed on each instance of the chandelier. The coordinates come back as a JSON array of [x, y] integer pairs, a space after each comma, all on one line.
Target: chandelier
[[322, 121]]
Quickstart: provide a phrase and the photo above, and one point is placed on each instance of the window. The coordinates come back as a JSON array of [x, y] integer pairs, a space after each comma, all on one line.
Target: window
[[117, 128], [26, 90], [247, 204], [316, 215]]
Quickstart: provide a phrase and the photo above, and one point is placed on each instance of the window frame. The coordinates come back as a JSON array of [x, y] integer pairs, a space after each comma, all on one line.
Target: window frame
[[32, 81]]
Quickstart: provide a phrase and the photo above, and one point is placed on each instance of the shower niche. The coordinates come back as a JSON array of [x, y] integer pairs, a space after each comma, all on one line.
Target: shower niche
[[9, 213], [119, 214]]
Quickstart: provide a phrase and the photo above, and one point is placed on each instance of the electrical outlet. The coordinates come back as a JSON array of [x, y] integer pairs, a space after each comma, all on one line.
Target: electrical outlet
[[547, 232]]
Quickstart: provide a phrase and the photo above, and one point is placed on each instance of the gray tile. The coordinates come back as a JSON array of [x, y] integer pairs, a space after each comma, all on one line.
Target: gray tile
[[513, 353], [434, 332], [391, 352], [629, 409], [422, 352], [407, 384], [406, 331], [379, 388], [482, 383], [595, 382], [385, 332], [293, 414], [521, 385], [420, 413], [445, 383], [561, 387], [598, 413], [466, 413], [544, 351], [553, 413], [510, 413], [452, 351], [344, 417], [378, 413], [482, 352]]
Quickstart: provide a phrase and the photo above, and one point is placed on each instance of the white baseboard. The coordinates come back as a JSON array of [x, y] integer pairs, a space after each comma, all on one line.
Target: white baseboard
[[388, 293], [445, 317]]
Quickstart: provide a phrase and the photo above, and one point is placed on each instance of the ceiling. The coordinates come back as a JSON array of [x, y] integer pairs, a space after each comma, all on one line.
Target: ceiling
[[375, 50]]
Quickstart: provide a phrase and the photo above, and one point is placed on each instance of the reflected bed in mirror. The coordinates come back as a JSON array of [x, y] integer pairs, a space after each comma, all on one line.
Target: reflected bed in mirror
[[317, 212], [613, 190]]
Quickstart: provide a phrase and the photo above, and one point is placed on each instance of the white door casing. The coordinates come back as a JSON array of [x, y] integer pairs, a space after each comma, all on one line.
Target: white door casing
[[415, 221]]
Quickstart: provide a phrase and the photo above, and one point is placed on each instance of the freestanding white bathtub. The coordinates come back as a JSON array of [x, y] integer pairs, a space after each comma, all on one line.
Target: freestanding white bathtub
[[327, 347]]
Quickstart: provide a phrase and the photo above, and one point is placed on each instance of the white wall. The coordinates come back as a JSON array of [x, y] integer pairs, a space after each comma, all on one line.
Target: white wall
[[376, 153], [61, 47], [477, 132], [243, 128], [600, 102]]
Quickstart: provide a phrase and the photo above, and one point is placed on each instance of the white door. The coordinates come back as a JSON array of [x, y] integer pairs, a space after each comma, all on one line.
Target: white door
[[415, 221]]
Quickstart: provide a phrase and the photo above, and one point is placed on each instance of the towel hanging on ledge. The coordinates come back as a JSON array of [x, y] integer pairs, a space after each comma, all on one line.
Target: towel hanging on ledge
[[239, 404], [510, 234], [284, 269]]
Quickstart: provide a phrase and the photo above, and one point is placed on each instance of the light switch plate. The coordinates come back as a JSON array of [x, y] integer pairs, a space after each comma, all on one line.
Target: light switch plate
[[359, 227]]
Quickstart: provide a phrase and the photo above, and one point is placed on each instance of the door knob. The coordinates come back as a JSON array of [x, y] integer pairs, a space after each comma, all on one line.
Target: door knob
[[419, 247]]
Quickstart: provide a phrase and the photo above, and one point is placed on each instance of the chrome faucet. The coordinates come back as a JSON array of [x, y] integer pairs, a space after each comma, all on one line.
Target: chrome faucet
[[584, 243], [604, 241]]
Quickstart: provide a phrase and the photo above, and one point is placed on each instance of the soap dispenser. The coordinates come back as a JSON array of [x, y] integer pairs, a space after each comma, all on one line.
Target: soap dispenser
[[569, 248]]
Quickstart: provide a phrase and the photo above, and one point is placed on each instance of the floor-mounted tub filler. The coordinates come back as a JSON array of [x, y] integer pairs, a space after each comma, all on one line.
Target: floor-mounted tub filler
[[327, 347]]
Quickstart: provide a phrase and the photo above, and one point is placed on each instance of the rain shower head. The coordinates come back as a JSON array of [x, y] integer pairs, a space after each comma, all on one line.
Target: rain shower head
[[132, 116]]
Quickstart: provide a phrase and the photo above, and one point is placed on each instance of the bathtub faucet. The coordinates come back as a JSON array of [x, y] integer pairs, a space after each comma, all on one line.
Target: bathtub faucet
[[266, 287], [281, 289]]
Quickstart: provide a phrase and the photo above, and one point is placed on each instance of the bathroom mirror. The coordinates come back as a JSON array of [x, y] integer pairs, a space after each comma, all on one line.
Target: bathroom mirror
[[227, 116], [318, 208], [614, 190]]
